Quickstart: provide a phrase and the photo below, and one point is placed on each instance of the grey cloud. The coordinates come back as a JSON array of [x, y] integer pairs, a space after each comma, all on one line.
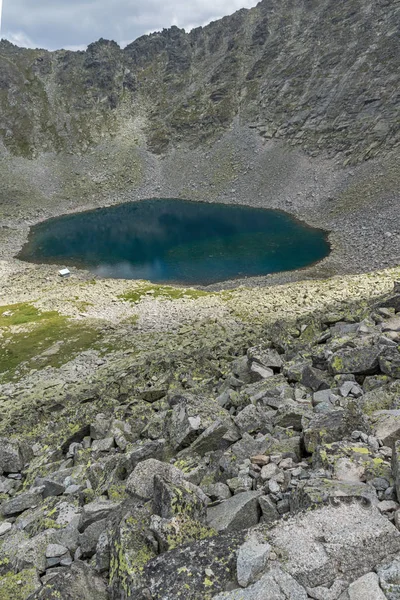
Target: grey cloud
[[75, 23]]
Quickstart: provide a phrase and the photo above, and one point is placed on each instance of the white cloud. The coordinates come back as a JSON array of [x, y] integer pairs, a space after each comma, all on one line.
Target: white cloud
[[19, 38], [76, 23]]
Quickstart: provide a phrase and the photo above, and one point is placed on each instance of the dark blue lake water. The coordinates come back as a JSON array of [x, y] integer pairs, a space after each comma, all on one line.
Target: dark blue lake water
[[176, 241]]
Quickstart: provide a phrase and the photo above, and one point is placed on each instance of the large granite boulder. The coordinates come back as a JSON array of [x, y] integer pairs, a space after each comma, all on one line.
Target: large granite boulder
[[239, 512]]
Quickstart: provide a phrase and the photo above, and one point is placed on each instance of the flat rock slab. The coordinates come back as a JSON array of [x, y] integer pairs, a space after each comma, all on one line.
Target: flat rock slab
[[336, 542], [275, 585], [386, 426], [239, 512]]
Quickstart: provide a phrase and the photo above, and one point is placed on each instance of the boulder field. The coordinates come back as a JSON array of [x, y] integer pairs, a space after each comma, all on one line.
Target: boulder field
[[281, 482]]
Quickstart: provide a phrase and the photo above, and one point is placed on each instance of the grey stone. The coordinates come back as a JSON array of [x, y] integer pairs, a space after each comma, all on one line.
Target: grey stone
[[69, 536], [268, 510], [211, 439], [50, 487], [366, 588], [20, 503], [291, 415], [11, 459], [331, 593], [389, 362], [341, 541], [275, 585], [387, 506], [316, 379], [150, 449], [55, 551], [358, 361], [250, 419], [141, 482], [180, 498], [96, 511], [332, 426], [259, 372], [392, 324], [103, 445], [80, 581], [217, 491], [5, 528], [103, 553], [315, 492], [251, 562], [396, 467], [32, 553], [184, 429], [389, 579], [100, 427], [239, 512], [267, 357], [89, 538], [321, 397], [269, 471]]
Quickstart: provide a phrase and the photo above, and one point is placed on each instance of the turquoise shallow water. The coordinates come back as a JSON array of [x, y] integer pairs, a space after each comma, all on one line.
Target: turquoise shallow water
[[177, 241]]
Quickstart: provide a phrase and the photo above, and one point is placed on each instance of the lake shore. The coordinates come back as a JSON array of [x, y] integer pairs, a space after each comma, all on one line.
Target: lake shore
[[358, 205]]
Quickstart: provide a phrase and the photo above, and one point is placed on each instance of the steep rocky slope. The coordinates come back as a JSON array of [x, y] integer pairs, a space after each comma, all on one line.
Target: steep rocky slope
[[323, 75]]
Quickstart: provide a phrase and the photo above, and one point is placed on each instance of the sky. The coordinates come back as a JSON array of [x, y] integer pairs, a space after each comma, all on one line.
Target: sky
[[73, 24]]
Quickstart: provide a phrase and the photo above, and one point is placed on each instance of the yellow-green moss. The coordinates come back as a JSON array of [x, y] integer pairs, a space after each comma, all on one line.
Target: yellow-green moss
[[22, 313], [27, 349], [18, 586], [161, 291]]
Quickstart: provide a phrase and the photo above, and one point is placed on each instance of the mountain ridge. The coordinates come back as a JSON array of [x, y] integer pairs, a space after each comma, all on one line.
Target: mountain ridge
[[323, 76]]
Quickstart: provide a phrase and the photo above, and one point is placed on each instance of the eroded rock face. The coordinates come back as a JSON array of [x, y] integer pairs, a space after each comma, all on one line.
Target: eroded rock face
[[73, 86]]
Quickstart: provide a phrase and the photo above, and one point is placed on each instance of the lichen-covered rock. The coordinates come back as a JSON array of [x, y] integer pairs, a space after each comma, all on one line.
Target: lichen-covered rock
[[386, 426], [11, 459], [316, 379], [31, 553], [215, 437], [20, 503], [141, 482], [333, 426], [131, 548], [184, 429], [80, 581], [359, 361], [335, 542], [179, 497], [389, 362], [19, 586], [389, 579], [96, 511], [396, 467], [196, 571], [351, 461], [322, 491]]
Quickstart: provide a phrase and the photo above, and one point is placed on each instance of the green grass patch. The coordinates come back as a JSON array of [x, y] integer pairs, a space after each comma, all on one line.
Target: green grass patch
[[19, 314], [52, 341], [162, 291]]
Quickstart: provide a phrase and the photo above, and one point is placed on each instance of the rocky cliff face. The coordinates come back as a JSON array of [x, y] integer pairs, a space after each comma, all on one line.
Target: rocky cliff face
[[323, 75]]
